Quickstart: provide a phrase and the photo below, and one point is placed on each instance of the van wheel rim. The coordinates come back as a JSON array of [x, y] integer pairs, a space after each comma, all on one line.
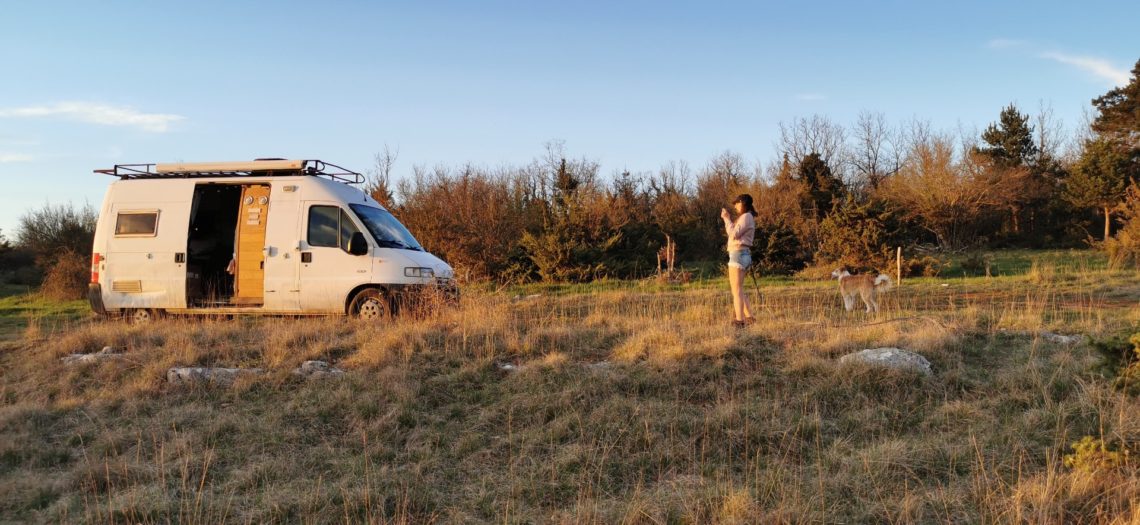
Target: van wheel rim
[[142, 316], [371, 309]]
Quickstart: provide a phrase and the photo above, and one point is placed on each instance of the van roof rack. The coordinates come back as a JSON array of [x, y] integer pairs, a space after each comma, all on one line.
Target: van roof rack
[[256, 168]]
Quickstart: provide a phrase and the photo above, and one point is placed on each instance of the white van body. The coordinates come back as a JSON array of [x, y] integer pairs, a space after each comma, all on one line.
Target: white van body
[[165, 234]]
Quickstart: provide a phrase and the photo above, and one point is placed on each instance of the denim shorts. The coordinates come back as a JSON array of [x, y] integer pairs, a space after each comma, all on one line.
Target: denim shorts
[[740, 259]]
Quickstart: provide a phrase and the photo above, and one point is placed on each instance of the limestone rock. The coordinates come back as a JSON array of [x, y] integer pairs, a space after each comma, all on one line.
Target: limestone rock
[[107, 353], [890, 357], [317, 370], [221, 376], [1060, 339]]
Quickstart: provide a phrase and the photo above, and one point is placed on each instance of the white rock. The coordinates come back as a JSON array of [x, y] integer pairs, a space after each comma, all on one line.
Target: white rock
[[510, 367], [107, 353], [1060, 339], [83, 359], [317, 370], [890, 357], [222, 376]]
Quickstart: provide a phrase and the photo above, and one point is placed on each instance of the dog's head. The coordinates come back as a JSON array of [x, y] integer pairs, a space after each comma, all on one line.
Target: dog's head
[[840, 273]]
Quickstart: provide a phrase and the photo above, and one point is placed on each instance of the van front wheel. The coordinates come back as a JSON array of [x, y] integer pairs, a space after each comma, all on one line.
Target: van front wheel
[[369, 304]]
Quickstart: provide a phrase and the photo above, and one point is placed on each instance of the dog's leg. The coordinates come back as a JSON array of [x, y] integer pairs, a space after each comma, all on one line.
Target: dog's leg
[[848, 302], [868, 300]]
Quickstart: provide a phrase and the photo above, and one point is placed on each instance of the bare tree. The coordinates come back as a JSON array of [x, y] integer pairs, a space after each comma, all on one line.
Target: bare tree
[[1050, 133], [874, 155], [816, 134], [913, 134], [379, 183], [674, 177]]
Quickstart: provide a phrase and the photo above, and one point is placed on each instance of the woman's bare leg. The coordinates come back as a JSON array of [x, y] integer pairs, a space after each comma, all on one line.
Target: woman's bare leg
[[734, 285], [747, 306]]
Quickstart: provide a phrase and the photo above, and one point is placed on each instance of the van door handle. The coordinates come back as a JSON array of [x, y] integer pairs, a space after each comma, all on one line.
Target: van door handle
[[180, 257], [306, 257]]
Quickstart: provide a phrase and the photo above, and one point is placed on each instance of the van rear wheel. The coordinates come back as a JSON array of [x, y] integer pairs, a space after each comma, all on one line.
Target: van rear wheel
[[142, 316], [369, 304]]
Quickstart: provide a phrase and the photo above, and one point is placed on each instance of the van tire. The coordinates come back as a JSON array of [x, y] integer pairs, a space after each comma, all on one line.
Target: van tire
[[142, 315], [369, 304]]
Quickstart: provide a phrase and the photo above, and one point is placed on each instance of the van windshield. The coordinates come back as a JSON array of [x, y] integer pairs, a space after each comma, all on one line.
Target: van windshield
[[387, 231]]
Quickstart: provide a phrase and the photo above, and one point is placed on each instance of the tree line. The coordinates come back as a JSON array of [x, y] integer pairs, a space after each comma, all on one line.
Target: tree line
[[834, 195]]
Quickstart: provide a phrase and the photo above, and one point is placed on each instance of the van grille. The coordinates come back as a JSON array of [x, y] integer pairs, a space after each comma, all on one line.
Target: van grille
[[126, 286]]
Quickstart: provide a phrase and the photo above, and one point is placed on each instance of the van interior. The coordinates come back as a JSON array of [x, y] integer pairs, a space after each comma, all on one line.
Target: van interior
[[210, 244]]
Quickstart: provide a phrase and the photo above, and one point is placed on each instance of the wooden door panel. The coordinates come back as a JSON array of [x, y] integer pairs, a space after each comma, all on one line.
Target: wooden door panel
[[249, 283]]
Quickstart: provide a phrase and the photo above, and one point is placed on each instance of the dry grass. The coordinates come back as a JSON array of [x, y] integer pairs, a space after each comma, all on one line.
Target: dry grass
[[627, 406]]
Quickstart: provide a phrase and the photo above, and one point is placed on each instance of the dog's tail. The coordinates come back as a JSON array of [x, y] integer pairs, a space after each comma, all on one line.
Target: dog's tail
[[883, 282]]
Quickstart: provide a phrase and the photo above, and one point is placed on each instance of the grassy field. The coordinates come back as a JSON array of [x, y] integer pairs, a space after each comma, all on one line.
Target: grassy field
[[624, 402]]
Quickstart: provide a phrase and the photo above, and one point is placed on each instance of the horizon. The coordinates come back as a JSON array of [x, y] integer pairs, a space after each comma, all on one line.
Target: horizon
[[632, 86]]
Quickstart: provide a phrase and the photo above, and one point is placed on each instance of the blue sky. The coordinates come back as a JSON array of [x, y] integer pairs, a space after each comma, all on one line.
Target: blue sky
[[630, 84]]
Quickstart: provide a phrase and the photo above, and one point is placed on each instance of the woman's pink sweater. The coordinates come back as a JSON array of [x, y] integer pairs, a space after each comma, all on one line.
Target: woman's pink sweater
[[741, 232]]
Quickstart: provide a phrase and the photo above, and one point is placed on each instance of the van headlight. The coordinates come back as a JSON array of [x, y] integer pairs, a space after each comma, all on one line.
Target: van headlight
[[415, 271]]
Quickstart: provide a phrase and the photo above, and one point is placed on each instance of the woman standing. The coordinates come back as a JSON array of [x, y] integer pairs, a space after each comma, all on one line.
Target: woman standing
[[740, 235]]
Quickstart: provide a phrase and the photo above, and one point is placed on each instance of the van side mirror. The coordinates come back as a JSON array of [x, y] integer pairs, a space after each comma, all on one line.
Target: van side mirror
[[357, 245]]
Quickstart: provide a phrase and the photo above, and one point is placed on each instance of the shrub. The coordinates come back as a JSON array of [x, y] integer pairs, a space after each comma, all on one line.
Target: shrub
[[778, 250], [861, 234], [48, 230], [1124, 248], [67, 277], [470, 217], [925, 266], [1121, 360], [976, 264], [1117, 352], [17, 264], [1093, 454], [59, 238], [578, 232]]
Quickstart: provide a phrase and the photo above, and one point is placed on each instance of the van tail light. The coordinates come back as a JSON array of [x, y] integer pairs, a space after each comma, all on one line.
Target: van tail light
[[95, 260]]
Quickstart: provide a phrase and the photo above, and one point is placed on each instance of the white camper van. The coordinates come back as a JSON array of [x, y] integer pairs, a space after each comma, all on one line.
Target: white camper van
[[270, 236]]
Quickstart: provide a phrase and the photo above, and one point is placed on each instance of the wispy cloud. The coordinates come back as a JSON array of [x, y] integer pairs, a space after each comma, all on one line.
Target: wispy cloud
[[6, 158], [1005, 43], [12, 140], [1097, 67], [810, 97], [95, 113]]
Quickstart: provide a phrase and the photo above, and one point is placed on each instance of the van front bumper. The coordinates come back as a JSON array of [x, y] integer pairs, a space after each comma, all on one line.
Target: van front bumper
[[440, 292]]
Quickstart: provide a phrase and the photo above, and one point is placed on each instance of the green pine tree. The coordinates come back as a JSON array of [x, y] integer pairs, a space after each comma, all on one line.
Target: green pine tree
[[1111, 159], [1099, 178], [823, 189], [1010, 140], [573, 244], [1013, 157]]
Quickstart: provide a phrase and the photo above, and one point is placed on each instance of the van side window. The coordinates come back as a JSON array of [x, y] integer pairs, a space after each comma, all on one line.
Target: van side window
[[140, 223], [324, 223], [330, 226]]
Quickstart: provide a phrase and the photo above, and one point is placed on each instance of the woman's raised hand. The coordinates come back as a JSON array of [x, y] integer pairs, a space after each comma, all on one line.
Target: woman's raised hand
[[724, 214]]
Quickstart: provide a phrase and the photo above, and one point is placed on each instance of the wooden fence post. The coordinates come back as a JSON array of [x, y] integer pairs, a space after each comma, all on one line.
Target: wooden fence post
[[898, 265]]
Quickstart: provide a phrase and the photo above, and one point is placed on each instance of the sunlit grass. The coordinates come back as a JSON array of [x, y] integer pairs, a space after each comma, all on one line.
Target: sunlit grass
[[622, 402]]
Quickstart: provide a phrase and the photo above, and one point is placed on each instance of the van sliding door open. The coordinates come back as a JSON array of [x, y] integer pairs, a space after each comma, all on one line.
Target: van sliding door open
[[249, 267]]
